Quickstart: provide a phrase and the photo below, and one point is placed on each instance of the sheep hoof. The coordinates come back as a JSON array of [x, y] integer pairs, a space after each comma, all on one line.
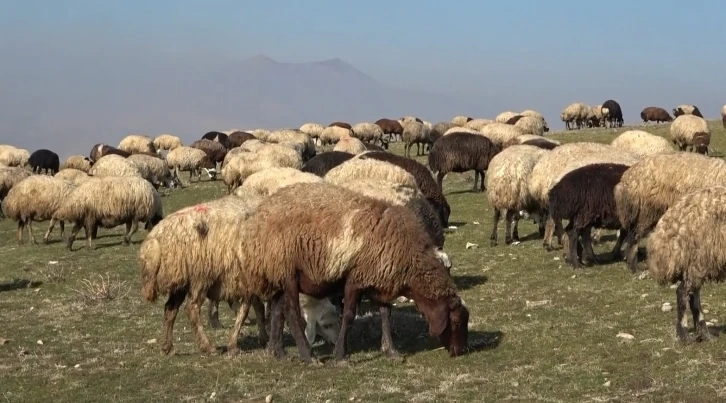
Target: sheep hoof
[[508, 241], [493, 242], [215, 324], [342, 363], [314, 362], [232, 350], [394, 355], [168, 350]]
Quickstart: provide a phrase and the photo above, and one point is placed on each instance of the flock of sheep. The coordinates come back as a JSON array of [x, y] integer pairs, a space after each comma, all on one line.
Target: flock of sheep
[[304, 231]]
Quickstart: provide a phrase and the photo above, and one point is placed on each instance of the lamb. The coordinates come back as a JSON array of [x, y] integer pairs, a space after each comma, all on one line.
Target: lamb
[[189, 159], [655, 114], [585, 197], [504, 117], [691, 131], [270, 180], [78, 162], [507, 183], [595, 117], [369, 133], [575, 113], [332, 134], [679, 249], [642, 144], [340, 124], [501, 133], [532, 140], [322, 163], [356, 245], [114, 165], [350, 145], [651, 186], [154, 170], [237, 138], [245, 164], [44, 160], [101, 150], [14, 157], [36, 198], [414, 133], [424, 180], [108, 202], [460, 121], [167, 142], [217, 137], [614, 113], [462, 152], [686, 109], [137, 144], [477, 124], [294, 139], [72, 175], [723, 116], [215, 151], [313, 130], [390, 127]]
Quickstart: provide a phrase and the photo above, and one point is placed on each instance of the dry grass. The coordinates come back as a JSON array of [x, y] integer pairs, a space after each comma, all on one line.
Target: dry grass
[[564, 349]]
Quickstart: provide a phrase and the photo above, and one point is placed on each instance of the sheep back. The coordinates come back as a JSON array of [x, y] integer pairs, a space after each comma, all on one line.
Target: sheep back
[[507, 178], [641, 143], [322, 163], [462, 152], [36, 198]]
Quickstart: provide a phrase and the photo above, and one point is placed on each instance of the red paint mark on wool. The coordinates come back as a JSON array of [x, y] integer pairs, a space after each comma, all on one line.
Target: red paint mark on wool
[[200, 208]]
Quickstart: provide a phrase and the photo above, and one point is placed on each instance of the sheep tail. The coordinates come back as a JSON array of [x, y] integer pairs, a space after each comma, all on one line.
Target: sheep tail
[[150, 262]]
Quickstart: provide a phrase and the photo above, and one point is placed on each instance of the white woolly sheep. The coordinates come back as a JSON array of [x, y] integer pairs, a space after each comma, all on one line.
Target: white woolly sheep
[[36, 198], [313, 130], [260, 134], [409, 119], [78, 162], [189, 159], [531, 125], [108, 202], [362, 169], [369, 133], [114, 165], [137, 144], [154, 170], [460, 120], [295, 139], [477, 124], [642, 144], [595, 117], [686, 109], [72, 175], [501, 133], [691, 131], [504, 117], [9, 177], [534, 114], [270, 180], [415, 133], [457, 129], [244, 164], [331, 134], [167, 142], [686, 246], [575, 113], [14, 157], [350, 145], [507, 183]]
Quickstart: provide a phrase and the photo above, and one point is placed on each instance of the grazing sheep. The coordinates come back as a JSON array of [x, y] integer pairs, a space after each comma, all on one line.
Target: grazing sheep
[[322, 163], [260, 134], [501, 133], [460, 121], [313, 130], [408, 119], [78, 162], [244, 164], [369, 133], [359, 169], [101, 150], [238, 138], [350, 145], [216, 151], [595, 117], [477, 124], [108, 202], [424, 180], [437, 131], [14, 157], [114, 165], [217, 137], [532, 140], [686, 109], [137, 144], [723, 116], [585, 197], [415, 133], [340, 124], [270, 180], [189, 159], [154, 170], [357, 246], [538, 116], [614, 113], [331, 134], [44, 160], [462, 152], [72, 175], [390, 127], [691, 131], [642, 144], [530, 125], [9, 177], [504, 117], [167, 142], [36, 198], [681, 250], [651, 186], [655, 114], [294, 139], [507, 184], [575, 115]]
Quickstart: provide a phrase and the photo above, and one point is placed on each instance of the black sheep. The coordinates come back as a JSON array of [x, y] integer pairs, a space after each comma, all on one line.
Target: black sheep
[[541, 143], [215, 151], [615, 113], [44, 160], [219, 137], [322, 163], [462, 152], [586, 197], [424, 181], [514, 119], [236, 139]]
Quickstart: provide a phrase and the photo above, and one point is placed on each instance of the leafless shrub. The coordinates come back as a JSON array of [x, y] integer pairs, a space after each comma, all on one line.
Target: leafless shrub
[[54, 273], [103, 290]]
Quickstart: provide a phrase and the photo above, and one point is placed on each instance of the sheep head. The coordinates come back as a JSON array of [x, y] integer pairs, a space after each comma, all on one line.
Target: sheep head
[[448, 320]]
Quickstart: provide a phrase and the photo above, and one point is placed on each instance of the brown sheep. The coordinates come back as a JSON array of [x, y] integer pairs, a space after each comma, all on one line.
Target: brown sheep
[[390, 127], [655, 114], [236, 139], [341, 124], [216, 151], [462, 152]]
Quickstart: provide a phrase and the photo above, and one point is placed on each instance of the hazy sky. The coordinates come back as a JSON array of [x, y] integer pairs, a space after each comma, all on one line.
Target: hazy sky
[[523, 54]]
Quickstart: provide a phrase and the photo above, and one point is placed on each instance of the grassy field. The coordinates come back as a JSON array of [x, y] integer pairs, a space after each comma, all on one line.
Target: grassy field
[[65, 336]]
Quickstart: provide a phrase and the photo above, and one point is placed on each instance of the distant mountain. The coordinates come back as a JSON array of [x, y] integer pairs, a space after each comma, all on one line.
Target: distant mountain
[[74, 102]]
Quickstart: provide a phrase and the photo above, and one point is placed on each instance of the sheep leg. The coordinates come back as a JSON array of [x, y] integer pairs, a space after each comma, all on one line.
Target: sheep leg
[[386, 333], [631, 250], [699, 319], [508, 219], [76, 229], [418, 149], [440, 180], [244, 310], [259, 308], [30, 231], [616, 252], [171, 308], [196, 299], [352, 295], [541, 223], [587, 246], [549, 230], [495, 224], [90, 233], [515, 226], [213, 315], [131, 229], [681, 319], [50, 229], [572, 255], [294, 320], [21, 229], [274, 347]]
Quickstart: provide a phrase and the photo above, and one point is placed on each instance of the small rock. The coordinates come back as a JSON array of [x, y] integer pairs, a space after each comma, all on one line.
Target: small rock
[[328, 401], [644, 296], [453, 227], [475, 222], [574, 276], [626, 336], [515, 384], [532, 304], [643, 275], [213, 395], [673, 287], [556, 258], [268, 399], [39, 342], [77, 366], [706, 311], [32, 308], [352, 398], [53, 262], [470, 245], [151, 341], [606, 384], [515, 243], [666, 307]]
